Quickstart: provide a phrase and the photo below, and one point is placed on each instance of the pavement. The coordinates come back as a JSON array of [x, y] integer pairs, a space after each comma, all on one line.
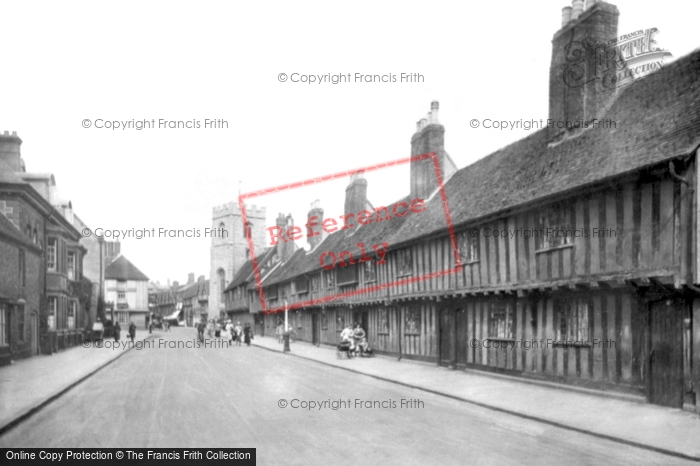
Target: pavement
[[29, 384], [657, 428]]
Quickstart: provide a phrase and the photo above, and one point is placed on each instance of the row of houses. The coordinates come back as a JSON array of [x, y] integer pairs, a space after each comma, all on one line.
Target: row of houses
[[188, 303], [51, 275], [569, 256]]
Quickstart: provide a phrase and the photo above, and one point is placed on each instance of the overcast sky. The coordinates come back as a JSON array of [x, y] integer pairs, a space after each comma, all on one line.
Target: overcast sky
[[64, 62]]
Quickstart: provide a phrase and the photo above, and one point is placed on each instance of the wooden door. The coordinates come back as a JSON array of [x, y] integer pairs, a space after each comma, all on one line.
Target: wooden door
[[315, 330], [666, 355], [462, 336], [447, 337]]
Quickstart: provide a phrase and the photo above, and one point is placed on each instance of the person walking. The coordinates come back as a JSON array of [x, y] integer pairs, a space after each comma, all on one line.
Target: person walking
[[117, 331], [239, 333], [217, 329], [248, 333], [200, 330], [132, 331], [280, 333]]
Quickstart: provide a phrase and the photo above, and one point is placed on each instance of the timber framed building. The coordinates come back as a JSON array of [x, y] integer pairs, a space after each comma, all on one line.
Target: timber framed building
[[626, 280]]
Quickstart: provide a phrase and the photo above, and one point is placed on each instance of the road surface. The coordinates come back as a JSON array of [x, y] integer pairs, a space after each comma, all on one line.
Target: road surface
[[251, 397]]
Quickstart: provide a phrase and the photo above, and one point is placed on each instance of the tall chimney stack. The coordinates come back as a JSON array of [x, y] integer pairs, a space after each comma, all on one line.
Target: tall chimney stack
[[582, 83], [356, 194], [9, 151], [285, 249], [315, 216], [429, 137]]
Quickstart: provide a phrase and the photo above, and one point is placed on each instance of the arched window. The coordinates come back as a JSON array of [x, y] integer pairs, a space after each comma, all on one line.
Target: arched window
[[222, 225], [248, 228], [35, 238], [222, 283]]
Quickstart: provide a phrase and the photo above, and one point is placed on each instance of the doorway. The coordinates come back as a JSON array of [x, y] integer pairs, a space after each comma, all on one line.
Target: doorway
[[448, 337], [315, 330], [666, 353]]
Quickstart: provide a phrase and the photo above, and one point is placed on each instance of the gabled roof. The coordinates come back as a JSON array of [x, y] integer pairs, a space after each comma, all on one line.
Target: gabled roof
[[194, 289], [245, 273], [657, 119], [122, 269]]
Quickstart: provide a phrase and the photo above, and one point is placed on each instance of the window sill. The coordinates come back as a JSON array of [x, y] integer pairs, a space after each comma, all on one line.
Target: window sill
[[471, 262], [554, 248]]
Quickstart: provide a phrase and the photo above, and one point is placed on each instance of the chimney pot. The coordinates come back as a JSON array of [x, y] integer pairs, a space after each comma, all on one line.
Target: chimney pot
[[434, 111], [577, 9], [565, 15]]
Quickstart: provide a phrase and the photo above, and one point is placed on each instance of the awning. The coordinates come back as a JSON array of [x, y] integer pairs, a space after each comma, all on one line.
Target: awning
[[174, 316]]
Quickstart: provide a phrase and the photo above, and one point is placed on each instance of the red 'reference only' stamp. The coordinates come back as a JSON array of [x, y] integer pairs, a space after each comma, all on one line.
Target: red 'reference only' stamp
[[332, 259]]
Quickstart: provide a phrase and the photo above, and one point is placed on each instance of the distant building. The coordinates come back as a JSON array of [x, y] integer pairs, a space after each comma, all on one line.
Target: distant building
[[195, 296], [230, 250], [126, 288]]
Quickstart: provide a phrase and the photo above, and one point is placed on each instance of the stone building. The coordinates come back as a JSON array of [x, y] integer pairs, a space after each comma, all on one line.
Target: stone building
[[230, 251]]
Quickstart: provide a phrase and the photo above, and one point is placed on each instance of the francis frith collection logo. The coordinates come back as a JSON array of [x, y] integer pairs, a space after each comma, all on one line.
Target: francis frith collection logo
[[615, 63]]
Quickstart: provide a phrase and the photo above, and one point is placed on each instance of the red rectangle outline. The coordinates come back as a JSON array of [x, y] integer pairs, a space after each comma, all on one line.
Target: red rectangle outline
[[311, 302]]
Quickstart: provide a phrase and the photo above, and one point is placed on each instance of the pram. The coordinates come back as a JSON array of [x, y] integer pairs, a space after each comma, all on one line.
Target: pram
[[344, 348]]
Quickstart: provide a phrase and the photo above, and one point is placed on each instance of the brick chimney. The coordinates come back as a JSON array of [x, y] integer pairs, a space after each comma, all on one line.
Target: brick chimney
[[582, 76], [356, 194], [315, 216], [200, 278], [285, 249], [9, 151], [429, 137], [190, 278]]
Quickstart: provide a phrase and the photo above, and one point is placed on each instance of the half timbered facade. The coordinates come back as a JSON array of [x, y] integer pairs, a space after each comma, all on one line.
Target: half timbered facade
[[568, 256]]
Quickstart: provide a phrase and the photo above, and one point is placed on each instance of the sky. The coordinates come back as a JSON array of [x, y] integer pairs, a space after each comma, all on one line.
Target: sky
[[65, 63]]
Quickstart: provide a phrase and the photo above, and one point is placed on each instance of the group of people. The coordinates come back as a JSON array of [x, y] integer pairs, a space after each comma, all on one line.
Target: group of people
[[356, 337], [227, 331], [118, 331]]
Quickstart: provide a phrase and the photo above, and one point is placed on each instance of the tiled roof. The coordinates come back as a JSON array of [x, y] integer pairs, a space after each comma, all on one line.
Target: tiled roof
[[657, 119], [122, 269], [194, 289], [245, 273]]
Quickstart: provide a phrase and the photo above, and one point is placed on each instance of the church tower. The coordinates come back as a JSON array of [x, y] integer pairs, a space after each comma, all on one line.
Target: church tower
[[230, 250]]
